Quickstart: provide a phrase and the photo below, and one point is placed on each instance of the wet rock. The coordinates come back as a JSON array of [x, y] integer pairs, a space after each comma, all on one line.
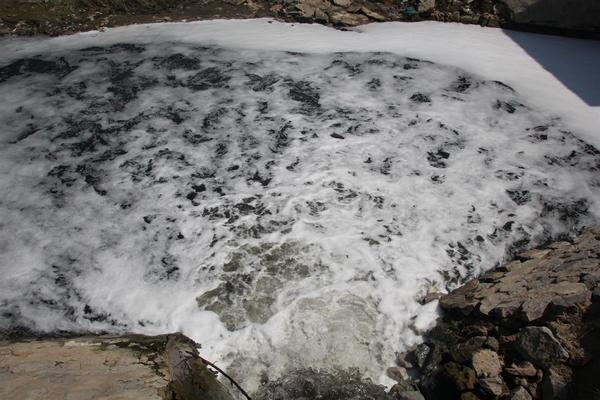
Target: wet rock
[[410, 395], [312, 384], [421, 354], [397, 373], [538, 344], [404, 385]]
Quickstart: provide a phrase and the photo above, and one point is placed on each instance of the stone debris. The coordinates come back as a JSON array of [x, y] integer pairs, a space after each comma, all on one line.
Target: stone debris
[[526, 330]]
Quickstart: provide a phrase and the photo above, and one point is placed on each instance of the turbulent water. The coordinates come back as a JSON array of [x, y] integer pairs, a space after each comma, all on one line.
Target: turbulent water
[[286, 210]]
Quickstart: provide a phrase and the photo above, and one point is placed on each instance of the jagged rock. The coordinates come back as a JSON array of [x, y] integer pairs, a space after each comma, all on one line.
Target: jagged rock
[[534, 253], [486, 363], [344, 18], [372, 14], [524, 369], [555, 385], [397, 373], [321, 16], [306, 10], [568, 294], [494, 386], [489, 321], [426, 6], [538, 344], [421, 354], [463, 377], [320, 384], [520, 393], [468, 396], [342, 3], [492, 343], [411, 395], [406, 385], [463, 352]]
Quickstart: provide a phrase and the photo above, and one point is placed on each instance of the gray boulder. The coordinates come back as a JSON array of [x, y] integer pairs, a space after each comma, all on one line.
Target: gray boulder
[[538, 345]]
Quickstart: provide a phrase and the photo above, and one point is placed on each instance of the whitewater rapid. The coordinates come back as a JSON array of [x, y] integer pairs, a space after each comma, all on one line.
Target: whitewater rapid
[[284, 209]]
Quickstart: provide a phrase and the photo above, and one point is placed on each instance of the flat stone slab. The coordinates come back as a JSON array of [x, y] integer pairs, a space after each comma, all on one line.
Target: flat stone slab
[[104, 367]]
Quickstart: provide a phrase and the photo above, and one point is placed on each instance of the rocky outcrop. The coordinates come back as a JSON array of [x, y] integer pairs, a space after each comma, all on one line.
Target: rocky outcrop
[[165, 367], [526, 330]]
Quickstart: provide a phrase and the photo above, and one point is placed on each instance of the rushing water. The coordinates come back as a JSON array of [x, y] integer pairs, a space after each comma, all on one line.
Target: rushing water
[[285, 210]]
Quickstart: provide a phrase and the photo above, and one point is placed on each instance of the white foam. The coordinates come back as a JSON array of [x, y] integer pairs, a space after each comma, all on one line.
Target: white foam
[[351, 235]]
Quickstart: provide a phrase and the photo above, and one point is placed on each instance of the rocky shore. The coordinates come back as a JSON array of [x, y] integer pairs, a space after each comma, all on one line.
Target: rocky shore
[[580, 18], [527, 330]]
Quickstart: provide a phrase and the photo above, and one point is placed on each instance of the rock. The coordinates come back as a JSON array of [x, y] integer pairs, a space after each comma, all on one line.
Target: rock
[[538, 344], [342, 3], [344, 18], [492, 343], [535, 307], [372, 14], [401, 361], [420, 354], [569, 294], [494, 386], [426, 6], [321, 16], [494, 315], [486, 363], [555, 385], [463, 377], [596, 294], [456, 302], [468, 396], [520, 393], [534, 253], [405, 385], [475, 330], [523, 369], [126, 367], [592, 279], [463, 352], [410, 395], [397, 373], [306, 10], [469, 19]]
